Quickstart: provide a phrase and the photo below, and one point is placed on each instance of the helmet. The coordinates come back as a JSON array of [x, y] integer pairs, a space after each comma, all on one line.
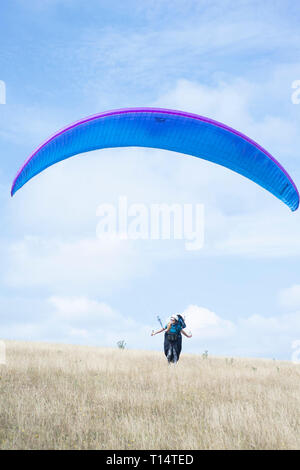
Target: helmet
[[174, 317]]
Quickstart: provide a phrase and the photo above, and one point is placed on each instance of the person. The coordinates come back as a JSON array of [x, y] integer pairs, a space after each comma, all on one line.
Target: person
[[173, 338]]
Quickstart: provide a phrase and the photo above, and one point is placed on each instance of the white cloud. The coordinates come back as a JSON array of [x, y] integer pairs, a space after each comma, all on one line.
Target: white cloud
[[26, 330], [253, 336], [290, 297], [29, 125], [90, 321], [270, 336], [83, 310], [223, 101], [233, 101], [264, 233], [199, 41], [78, 320], [206, 324], [84, 266], [79, 333]]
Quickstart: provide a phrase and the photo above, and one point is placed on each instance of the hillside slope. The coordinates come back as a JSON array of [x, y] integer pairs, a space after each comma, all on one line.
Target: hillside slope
[[54, 396]]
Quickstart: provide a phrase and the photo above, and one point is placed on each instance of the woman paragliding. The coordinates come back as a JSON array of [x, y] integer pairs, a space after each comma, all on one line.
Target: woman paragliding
[[173, 338]]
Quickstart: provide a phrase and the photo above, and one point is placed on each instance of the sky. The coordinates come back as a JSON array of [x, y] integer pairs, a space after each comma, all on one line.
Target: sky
[[235, 62]]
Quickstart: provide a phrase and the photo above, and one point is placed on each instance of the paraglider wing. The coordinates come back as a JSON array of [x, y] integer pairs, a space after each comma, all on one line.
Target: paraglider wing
[[170, 130]]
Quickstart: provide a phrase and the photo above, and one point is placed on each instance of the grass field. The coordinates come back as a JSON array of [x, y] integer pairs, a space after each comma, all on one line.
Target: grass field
[[73, 397]]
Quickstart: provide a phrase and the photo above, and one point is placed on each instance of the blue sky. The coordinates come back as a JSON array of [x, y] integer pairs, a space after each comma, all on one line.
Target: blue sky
[[235, 62]]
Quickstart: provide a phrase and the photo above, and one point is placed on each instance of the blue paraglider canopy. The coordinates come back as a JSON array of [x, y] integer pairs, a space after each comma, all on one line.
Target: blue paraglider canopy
[[179, 131]]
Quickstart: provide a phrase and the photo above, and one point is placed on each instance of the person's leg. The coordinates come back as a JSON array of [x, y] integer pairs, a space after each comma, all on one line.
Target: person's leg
[[170, 354], [166, 345], [177, 347], [175, 357], [168, 349]]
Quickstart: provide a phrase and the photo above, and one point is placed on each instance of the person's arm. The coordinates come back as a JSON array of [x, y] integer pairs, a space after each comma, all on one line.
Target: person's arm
[[185, 334], [156, 332], [163, 329]]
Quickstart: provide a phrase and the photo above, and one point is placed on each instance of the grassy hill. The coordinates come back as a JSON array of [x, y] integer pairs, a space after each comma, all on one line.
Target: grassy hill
[[56, 396]]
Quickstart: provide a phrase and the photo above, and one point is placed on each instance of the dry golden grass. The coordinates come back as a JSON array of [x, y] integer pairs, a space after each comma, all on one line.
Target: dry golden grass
[[71, 397]]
